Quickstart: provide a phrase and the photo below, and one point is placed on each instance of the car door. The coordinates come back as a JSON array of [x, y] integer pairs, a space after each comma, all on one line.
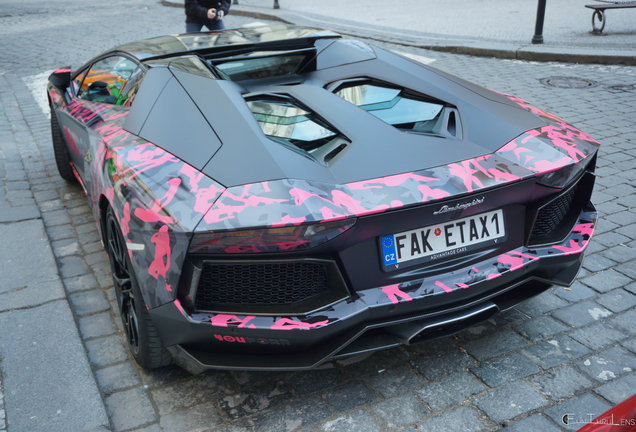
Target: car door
[[94, 93], [72, 128]]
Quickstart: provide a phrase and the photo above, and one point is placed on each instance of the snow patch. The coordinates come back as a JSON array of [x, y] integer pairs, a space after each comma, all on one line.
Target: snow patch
[[598, 313], [291, 425], [37, 86]]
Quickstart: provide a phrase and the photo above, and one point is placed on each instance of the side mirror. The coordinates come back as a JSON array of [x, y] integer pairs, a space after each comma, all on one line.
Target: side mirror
[[61, 78]]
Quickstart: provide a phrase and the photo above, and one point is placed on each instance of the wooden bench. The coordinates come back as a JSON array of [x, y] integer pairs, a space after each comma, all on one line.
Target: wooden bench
[[599, 13]]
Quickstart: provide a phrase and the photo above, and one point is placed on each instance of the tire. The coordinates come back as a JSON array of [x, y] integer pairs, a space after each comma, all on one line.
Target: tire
[[62, 158], [143, 340]]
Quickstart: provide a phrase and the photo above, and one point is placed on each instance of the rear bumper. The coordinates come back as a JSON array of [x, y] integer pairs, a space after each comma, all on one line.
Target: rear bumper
[[376, 318]]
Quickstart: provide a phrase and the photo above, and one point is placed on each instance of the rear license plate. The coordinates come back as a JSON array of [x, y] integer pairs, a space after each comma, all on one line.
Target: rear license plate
[[443, 240]]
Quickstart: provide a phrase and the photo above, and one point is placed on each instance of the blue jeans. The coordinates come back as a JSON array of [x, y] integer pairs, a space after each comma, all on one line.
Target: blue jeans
[[212, 25]]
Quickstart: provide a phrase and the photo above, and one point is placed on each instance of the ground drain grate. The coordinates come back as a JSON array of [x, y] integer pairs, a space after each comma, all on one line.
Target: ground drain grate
[[568, 82]]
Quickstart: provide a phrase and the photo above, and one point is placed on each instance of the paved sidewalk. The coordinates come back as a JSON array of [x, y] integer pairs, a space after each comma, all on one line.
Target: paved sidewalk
[[45, 372], [497, 28]]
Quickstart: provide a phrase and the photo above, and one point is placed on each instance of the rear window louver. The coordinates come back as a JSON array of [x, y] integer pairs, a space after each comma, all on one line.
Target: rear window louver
[[399, 108], [247, 64], [289, 123]]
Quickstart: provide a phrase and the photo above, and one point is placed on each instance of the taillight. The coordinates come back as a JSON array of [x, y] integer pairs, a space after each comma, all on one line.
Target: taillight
[[281, 239], [563, 176]]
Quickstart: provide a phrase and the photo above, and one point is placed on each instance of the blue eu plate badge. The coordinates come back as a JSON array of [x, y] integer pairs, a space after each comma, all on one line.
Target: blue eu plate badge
[[388, 250]]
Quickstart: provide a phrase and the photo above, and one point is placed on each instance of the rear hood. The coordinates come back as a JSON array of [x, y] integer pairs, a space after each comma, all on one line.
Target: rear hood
[[294, 201], [377, 149]]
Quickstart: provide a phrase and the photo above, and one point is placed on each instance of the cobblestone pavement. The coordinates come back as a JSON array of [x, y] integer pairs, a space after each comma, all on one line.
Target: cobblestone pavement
[[565, 351]]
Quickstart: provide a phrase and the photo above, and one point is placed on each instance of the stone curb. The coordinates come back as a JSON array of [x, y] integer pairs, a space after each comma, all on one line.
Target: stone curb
[[506, 51]]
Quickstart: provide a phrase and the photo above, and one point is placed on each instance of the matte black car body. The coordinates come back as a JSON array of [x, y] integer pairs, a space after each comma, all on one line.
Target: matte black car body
[[253, 249]]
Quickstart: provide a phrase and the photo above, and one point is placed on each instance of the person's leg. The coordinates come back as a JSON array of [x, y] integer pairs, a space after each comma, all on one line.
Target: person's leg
[[193, 27], [214, 25]]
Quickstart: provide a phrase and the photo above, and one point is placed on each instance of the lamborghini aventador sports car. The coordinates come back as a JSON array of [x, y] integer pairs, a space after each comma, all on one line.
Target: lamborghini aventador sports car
[[277, 197]]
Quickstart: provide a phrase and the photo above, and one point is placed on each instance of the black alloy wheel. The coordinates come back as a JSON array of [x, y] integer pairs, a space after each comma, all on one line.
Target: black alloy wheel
[[144, 342], [123, 284]]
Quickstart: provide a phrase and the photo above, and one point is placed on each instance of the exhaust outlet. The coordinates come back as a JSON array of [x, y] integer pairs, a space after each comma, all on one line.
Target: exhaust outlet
[[431, 328]]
